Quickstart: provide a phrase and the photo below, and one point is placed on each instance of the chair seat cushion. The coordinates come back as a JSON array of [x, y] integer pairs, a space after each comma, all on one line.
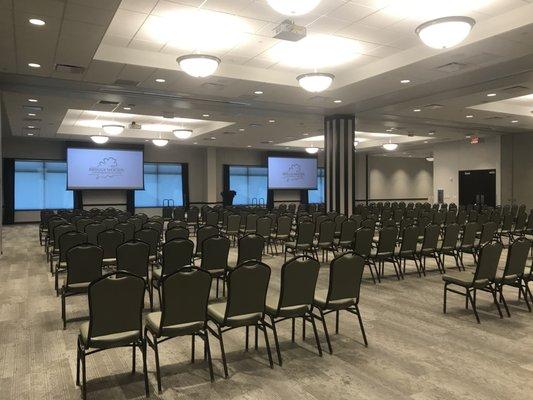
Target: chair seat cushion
[[217, 311], [76, 287], [111, 340], [271, 308], [339, 304], [464, 279], [153, 321]]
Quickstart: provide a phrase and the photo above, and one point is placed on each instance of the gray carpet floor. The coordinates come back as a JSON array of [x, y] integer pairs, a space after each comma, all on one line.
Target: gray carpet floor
[[415, 351]]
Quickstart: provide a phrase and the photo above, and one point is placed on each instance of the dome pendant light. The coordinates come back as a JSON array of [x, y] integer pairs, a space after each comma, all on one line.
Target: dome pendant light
[[182, 133], [198, 65], [113, 129], [293, 7], [311, 150], [390, 146], [99, 139], [443, 33], [315, 82], [160, 142]]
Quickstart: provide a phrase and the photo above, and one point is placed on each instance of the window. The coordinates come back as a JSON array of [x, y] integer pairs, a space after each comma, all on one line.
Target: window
[[161, 182], [317, 196], [42, 184], [250, 183]]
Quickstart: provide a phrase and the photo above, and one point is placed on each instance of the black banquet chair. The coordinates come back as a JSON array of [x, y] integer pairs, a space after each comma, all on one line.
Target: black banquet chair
[[114, 321], [184, 298], [133, 257], [345, 276], [244, 307]]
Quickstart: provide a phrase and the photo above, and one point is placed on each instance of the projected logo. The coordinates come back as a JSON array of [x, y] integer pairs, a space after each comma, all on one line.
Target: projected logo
[[107, 168], [293, 174]]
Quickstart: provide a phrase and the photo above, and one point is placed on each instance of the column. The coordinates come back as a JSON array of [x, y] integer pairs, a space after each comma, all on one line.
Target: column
[[340, 163]]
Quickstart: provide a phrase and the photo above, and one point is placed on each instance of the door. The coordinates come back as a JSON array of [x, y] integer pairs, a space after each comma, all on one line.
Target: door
[[477, 187]]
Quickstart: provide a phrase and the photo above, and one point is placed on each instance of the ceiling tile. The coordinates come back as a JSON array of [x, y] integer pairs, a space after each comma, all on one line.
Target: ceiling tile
[[141, 6], [102, 72], [228, 6], [91, 15], [126, 23], [41, 7], [106, 4], [351, 12]]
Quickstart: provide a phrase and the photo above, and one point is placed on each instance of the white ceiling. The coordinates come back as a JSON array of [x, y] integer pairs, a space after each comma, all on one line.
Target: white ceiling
[[123, 46]]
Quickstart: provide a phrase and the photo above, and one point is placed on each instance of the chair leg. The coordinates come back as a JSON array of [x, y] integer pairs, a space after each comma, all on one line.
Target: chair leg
[[157, 367], [502, 299], [276, 341], [222, 352], [256, 344], [293, 329], [193, 345], [361, 325], [336, 322], [493, 292], [247, 339], [145, 369], [316, 335], [473, 304], [525, 297], [267, 344], [78, 357], [83, 376], [133, 348], [444, 300], [63, 310], [208, 354], [326, 333]]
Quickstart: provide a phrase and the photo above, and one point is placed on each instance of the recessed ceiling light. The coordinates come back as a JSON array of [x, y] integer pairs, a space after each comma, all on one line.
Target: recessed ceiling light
[[514, 121], [29, 134], [126, 108], [160, 80], [425, 141], [213, 138], [241, 129], [467, 136], [443, 33], [258, 92], [405, 81], [287, 148], [469, 116], [31, 115], [146, 140], [293, 7], [34, 65], [271, 121], [249, 146], [431, 133], [31, 126], [417, 110], [305, 134], [206, 115], [36, 21], [491, 94], [32, 100], [337, 101]]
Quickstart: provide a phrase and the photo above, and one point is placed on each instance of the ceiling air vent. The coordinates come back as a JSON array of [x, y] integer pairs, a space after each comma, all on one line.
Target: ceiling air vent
[[213, 86], [32, 108], [32, 119], [69, 69], [433, 106], [493, 118], [231, 133], [108, 103], [452, 67], [516, 89], [126, 82], [255, 125], [168, 115]]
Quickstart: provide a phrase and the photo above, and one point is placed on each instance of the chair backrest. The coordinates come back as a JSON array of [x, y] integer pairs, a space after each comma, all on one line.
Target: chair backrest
[[133, 256], [150, 236], [127, 228], [348, 228], [215, 252], [176, 224], [193, 215], [137, 223], [318, 221], [489, 259], [363, 241], [251, 221], [520, 223], [339, 219], [109, 240], [306, 233], [326, 231], [369, 223], [176, 233], [60, 230], [203, 233], [250, 248], [84, 263], [263, 226], [184, 297], [178, 213], [110, 222], [409, 239], [284, 225], [357, 218], [431, 237], [469, 234], [387, 240], [247, 289], [109, 313], [93, 230], [52, 223], [298, 281], [451, 236], [211, 218], [517, 256], [68, 240], [345, 276], [82, 223], [488, 229], [177, 254], [234, 223], [155, 225]]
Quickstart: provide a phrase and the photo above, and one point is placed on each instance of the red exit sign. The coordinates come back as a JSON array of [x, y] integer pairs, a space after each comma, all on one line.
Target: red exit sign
[[474, 139]]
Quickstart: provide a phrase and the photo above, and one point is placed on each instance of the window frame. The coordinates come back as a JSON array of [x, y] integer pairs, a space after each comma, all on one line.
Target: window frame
[[184, 183], [228, 183]]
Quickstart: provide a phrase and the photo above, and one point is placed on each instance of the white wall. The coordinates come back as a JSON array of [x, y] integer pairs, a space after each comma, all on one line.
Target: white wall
[[517, 158], [452, 157], [400, 178]]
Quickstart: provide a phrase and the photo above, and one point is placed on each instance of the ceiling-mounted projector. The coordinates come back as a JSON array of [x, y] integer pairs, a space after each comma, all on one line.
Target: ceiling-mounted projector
[[134, 125], [288, 30]]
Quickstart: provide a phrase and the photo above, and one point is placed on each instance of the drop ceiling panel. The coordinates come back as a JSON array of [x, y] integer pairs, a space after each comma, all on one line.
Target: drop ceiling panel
[[103, 72], [53, 8], [92, 15], [141, 6]]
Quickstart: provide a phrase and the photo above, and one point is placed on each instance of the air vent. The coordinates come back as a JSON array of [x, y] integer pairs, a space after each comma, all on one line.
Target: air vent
[[32, 119], [32, 108], [319, 99], [433, 106], [516, 89], [126, 82], [231, 133], [168, 115], [267, 142], [108, 103], [255, 125], [451, 67], [69, 69], [492, 118], [210, 138]]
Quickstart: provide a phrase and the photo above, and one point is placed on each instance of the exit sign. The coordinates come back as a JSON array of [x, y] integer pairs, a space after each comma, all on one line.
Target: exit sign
[[474, 139]]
